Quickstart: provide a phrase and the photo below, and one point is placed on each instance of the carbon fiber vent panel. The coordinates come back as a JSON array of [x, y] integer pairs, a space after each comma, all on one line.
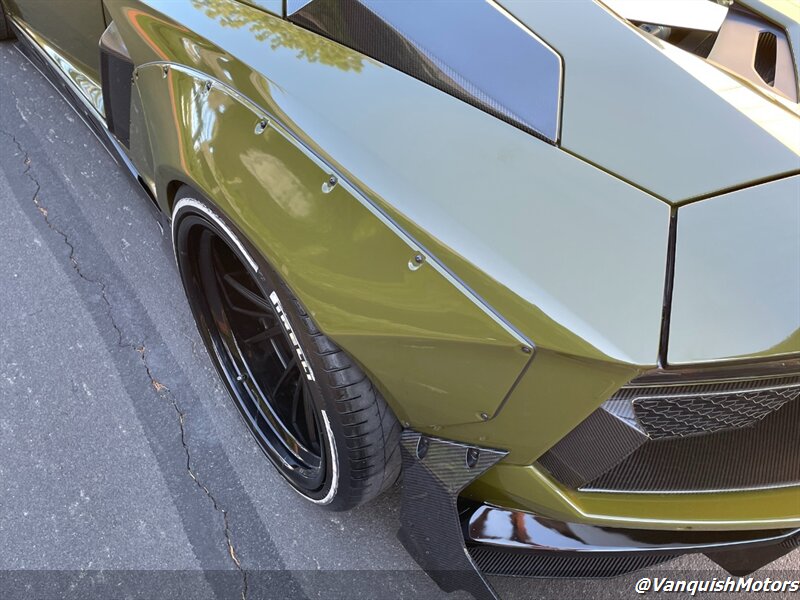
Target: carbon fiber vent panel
[[471, 49], [591, 449], [729, 432], [766, 56], [765, 455]]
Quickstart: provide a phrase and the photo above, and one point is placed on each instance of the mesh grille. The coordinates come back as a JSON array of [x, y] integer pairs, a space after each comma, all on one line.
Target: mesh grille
[[670, 416]]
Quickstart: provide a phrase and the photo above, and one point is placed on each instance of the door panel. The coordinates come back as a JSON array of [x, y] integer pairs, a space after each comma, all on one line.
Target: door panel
[[74, 27]]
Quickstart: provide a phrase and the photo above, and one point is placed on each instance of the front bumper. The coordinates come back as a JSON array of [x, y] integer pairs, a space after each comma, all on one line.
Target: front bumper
[[458, 542]]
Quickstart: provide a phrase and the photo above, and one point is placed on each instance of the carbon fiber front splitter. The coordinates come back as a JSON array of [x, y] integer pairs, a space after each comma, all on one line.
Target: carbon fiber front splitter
[[458, 543]]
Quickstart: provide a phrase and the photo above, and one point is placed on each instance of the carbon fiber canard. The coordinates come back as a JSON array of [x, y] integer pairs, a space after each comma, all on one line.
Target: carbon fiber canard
[[434, 472]]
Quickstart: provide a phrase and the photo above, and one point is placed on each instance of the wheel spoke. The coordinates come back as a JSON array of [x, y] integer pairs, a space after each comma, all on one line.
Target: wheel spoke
[[231, 305], [273, 394], [283, 377], [313, 438], [265, 335], [247, 293], [296, 400]]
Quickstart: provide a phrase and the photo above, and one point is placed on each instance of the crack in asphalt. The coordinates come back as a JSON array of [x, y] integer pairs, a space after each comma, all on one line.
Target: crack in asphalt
[[161, 389], [164, 391], [46, 216]]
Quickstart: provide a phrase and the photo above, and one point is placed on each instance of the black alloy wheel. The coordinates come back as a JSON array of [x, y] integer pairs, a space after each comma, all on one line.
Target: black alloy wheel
[[257, 357], [311, 409]]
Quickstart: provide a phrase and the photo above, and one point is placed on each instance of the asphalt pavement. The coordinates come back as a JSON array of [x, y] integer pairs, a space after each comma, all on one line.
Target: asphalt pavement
[[125, 470]]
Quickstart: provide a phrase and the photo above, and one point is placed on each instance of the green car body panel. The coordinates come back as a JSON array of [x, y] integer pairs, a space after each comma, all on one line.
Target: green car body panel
[[541, 286], [623, 129], [741, 259]]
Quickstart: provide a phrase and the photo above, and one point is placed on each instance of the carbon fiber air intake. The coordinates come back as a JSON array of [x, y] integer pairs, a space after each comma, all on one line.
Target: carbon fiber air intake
[[722, 430]]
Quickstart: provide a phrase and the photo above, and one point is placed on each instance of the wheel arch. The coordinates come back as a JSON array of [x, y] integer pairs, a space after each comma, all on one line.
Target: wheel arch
[[436, 353]]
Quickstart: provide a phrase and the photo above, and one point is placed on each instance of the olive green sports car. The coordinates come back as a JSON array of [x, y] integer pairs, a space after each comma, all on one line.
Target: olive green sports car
[[541, 257]]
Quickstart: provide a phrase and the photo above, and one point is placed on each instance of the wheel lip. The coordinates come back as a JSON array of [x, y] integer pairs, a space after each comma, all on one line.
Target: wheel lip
[[185, 207]]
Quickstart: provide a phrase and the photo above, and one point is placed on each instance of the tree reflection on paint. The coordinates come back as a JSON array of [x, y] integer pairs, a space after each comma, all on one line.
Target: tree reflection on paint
[[280, 34]]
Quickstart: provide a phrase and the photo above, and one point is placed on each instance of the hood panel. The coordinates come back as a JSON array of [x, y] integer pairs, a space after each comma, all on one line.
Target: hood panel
[[655, 115], [736, 290]]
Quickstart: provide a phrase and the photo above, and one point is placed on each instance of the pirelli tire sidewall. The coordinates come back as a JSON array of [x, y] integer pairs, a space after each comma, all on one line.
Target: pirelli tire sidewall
[[190, 205]]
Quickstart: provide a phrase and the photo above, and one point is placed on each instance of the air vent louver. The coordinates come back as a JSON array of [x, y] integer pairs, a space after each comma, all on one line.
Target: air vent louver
[[766, 56]]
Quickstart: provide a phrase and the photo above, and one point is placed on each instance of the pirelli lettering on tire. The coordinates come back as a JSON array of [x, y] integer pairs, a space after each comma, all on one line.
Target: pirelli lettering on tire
[[286, 325]]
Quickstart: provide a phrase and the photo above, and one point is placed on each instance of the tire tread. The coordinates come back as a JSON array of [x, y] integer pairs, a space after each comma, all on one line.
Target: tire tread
[[371, 431]]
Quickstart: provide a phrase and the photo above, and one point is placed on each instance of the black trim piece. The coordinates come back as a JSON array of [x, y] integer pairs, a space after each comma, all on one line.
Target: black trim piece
[[689, 431], [517, 563], [744, 561], [598, 444], [116, 77], [434, 473], [511, 542], [669, 280], [116, 74]]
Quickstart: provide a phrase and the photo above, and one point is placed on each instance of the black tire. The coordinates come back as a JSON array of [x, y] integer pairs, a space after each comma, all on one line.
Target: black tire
[[5, 28], [355, 431]]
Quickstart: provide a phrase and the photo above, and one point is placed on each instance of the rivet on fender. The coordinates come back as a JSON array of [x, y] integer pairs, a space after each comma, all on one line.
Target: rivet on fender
[[328, 186], [166, 70], [416, 261], [262, 126]]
